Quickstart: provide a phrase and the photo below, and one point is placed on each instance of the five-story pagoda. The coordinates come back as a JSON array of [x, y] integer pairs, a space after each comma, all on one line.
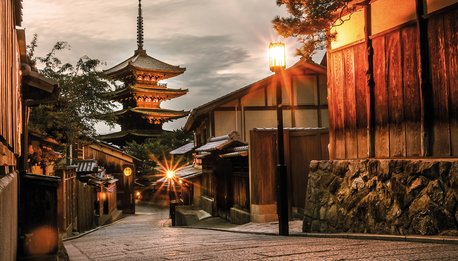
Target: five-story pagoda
[[142, 93]]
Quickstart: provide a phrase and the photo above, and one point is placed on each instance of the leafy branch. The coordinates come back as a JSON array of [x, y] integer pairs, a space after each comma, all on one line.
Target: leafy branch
[[310, 20]]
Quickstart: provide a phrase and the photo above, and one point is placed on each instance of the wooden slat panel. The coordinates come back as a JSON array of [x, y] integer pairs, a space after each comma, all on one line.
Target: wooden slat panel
[[395, 105], [338, 98], [441, 130], [412, 103], [9, 50], [263, 167], [451, 29], [361, 98], [2, 66], [381, 99], [349, 102], [305, 148], [331, 106]]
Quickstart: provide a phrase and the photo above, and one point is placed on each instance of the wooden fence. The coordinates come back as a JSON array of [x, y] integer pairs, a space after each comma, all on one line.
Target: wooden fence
[[67, 201], [301, 146], [86, 199]]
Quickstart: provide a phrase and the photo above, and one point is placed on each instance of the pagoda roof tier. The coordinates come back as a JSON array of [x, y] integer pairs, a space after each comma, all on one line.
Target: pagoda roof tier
[[139, 91], [141, 61], [153, 114], [116, 137]]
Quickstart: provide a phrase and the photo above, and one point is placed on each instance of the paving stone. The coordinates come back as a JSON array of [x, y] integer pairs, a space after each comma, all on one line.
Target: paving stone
[[148, 236]]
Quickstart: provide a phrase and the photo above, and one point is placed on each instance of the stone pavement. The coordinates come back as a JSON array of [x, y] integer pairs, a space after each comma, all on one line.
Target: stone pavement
[[148, 236], [295, 229]]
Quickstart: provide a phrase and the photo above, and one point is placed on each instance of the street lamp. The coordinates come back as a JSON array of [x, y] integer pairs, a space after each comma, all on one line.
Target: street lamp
[[277, 63], [170, 174]]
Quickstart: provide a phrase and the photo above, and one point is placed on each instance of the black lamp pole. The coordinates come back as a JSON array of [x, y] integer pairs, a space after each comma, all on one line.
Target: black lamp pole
[[282, 180], [277, 63]]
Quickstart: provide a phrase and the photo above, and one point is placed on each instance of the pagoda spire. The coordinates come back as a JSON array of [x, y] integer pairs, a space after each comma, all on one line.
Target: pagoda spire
[[140, 27]]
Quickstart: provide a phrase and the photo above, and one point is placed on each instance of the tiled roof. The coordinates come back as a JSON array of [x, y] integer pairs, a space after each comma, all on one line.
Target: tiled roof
[[158, 91], [158, 112], [221, 142], [187, 172], [241, 151], [123, 134], [86, 166], [183, 149], [141, 60]]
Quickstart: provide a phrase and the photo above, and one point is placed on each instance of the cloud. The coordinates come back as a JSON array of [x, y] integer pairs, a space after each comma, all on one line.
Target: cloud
[[223, 44]]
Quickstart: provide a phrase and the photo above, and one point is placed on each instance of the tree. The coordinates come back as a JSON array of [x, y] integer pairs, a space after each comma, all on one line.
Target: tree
[[310, 21], [80, 103], [155, 150]]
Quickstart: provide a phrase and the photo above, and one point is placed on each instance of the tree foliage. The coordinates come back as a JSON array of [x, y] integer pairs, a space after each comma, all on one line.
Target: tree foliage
[[155, 150], [80, 104], [309, 21]]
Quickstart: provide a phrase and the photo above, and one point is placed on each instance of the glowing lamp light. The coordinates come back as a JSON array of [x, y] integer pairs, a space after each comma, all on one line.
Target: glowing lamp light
[[127, 171], [277, 56], [180, 181], [170, 174]]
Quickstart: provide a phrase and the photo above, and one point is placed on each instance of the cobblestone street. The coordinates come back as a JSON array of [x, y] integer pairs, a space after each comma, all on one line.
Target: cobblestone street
[[148, 236]]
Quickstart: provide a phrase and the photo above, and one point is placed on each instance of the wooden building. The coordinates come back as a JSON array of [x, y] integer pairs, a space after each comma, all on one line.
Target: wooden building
[[141, 116], [407, 106], [393, 122], [10, 124], [116, 163], [254, 106], [225, 181], [251, 107]]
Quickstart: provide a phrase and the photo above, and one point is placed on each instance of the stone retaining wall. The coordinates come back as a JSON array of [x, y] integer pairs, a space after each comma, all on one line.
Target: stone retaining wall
[[382, 196]]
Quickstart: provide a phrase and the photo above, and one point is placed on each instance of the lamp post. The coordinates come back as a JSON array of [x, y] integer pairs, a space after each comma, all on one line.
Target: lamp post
[[170, 175], [277, 63]]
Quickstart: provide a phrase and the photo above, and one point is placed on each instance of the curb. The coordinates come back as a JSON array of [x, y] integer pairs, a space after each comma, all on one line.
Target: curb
[[410, 238]]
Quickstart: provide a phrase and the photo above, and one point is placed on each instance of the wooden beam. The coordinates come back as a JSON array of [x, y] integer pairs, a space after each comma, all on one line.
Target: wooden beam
[[370, 80], [424, 73]]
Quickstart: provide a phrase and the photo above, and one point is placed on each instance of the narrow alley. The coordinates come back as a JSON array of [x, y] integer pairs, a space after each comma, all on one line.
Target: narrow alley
[[147, 235]]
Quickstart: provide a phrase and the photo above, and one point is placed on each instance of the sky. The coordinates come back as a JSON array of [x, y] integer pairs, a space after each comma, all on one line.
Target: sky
[[222, 43]]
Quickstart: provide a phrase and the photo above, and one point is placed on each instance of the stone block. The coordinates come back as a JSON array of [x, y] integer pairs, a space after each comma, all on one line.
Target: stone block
[[239, 216], [315, 226], [208, 204], [435, 192], [307, 224], [430, 170]]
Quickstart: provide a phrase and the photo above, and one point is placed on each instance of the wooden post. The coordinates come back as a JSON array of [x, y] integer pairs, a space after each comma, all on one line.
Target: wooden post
[[370, 80], [427, 111]]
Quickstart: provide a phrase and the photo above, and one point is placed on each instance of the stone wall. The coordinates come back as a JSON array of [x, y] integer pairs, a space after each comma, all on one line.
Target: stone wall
[[383, 196]]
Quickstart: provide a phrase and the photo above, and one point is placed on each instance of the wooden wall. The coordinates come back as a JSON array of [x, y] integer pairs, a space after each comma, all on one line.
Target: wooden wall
[[10, 99], [10, 128], [443, 52], [86, 198], [208, 178], [301, 147], [262, 167], [398, 102], [113, 161]]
